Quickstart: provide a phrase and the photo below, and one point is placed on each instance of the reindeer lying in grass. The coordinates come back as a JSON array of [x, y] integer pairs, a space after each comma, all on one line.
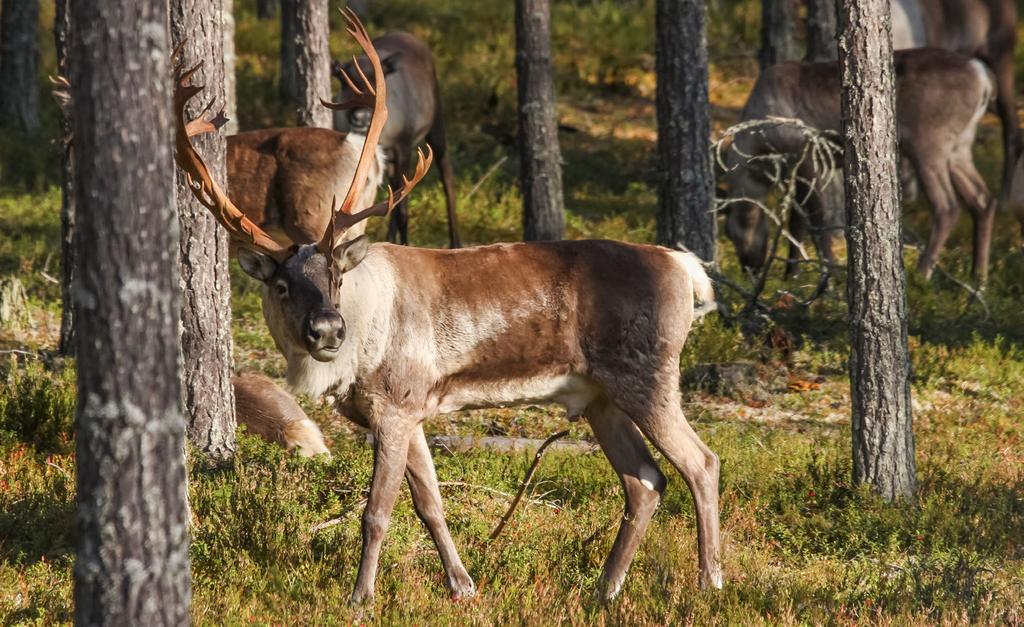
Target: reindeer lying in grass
[[271, 413], [402, 334]]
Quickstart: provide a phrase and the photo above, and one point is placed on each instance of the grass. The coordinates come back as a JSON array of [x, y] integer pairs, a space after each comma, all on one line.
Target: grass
[[801, 545]]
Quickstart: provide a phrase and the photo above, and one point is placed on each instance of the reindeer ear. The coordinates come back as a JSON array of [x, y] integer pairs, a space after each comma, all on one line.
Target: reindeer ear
[[347, 255], [256, 264], [391, 62]]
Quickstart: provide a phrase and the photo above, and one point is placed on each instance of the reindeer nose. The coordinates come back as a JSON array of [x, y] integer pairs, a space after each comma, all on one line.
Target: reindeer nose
[[359, 119], [324, 332]]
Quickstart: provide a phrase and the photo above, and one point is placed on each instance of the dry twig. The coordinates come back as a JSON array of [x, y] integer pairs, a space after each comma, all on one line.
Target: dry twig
[[526, 482]]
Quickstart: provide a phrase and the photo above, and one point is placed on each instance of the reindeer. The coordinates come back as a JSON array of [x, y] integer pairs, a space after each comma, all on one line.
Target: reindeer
[[271, 413], [414, 105], [940, 98], [984, 29], [401, 334], [283, 179]]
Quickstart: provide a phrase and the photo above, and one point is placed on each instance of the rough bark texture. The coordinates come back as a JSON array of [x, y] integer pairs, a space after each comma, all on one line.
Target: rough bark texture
[[821, 31], [777, 40], [132, 561], [265, 9], [206, 283], [306, 59], [685, 178], [540, 169], [19, 65], [287, 86], [230, 84], [883, 438], [62, 40]]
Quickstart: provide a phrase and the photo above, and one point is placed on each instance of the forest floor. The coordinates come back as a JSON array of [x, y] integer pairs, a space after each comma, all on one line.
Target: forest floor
[[800, 544]]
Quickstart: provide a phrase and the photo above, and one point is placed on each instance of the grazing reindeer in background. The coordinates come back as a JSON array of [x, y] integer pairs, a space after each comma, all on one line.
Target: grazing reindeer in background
[[271, 413], [414, 115], [402, 334], [940, 98]]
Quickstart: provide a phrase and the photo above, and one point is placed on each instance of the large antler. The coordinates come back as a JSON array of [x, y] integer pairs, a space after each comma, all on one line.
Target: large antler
[[368, 96], [200, 181]]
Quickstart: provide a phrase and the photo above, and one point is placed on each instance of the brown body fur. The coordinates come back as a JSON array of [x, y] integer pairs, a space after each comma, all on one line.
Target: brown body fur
[[285, 179]]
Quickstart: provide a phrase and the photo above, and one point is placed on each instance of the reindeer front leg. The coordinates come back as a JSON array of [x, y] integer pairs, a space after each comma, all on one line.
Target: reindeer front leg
[[390, 450], [426, 497]]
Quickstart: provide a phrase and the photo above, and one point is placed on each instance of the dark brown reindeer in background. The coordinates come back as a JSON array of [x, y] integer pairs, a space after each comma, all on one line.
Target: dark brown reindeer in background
[[402, 334], [414, 115], [940, 98]]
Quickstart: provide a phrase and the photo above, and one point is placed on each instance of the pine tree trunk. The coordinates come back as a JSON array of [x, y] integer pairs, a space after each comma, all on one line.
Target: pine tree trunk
[[540, 169], [265, 9], [19, 65], [686, 181], [62, 40], [883, 437], [777, 41], [821, 31], [306, 59], [288, 85], [132, 563], [230, 84], [205, 280]]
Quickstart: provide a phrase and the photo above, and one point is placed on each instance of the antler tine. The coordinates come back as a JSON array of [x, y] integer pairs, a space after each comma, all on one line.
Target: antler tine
[[201, 182], [379, 116], [344, 220]]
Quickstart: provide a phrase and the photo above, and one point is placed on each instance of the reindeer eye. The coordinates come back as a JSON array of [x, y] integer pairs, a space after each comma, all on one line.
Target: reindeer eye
[[282, 289]]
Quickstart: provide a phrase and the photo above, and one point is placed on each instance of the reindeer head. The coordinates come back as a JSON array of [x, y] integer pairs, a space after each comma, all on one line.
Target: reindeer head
[[302, 284], [357, 119]]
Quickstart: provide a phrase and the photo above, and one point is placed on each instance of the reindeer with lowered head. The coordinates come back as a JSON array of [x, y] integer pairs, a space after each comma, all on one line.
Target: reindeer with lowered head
[[941, 97], [401, 334]]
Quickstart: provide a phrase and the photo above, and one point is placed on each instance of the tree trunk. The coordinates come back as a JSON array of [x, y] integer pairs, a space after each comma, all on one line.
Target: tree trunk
[[62, 40], [686, 181], [883, 437], [540, 169], [777, 41], [132, 560], [265, 9], [821, 31], [288, 85], [230, 84], [19, 65], [205, 281], [306, 59]]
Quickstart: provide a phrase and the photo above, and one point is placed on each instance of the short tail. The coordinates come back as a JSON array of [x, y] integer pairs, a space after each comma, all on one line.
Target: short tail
[[703, 289]]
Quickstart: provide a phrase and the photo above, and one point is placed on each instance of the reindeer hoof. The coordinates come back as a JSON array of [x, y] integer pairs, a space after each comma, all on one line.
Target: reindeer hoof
[[463, 592], [361, 606], [711, 581]]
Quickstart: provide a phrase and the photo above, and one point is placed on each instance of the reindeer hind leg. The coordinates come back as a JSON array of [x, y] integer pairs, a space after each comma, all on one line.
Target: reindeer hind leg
[[974, 192], [642, 484], [439, 144], [663, 423]]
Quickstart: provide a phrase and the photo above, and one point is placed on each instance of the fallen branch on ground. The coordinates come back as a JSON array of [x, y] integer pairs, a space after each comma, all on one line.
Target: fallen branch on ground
[[526, 482]]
